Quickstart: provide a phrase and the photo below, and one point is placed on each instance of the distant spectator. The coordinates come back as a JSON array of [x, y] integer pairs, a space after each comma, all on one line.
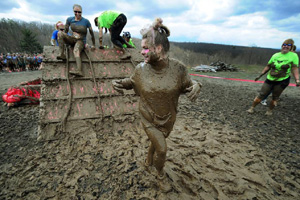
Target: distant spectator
[[1, 62], [9, 63], [4, 68], [15, 62]]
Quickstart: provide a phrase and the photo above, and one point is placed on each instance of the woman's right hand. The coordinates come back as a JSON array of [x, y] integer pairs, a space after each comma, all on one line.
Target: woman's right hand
[[257, 78]]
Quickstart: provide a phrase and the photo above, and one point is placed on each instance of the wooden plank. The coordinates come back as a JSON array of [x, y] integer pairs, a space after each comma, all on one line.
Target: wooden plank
[[80, 89], [88, 108], [51, 52], [102, 70]]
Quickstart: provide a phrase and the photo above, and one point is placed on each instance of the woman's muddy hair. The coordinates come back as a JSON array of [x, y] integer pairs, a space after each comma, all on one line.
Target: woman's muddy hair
[[77, 5], [157, 34]]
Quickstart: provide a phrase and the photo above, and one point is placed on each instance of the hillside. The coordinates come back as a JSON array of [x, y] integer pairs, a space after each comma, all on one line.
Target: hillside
[[228, 53], [11, 34], [192, 54]]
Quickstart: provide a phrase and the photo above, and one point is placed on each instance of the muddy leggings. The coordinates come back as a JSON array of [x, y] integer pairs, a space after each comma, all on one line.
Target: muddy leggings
[[158, 148], [116, 29], [71, 40], [276, 87]]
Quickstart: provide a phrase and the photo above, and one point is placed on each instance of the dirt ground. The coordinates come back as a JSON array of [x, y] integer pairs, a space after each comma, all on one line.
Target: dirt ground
[[216, 151]]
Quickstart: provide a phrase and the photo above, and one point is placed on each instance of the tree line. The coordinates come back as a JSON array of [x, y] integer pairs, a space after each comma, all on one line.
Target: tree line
[[26, 37], [30, 37]]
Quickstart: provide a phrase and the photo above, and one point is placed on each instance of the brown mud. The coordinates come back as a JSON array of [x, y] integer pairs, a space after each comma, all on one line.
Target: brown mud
[[216, 151]]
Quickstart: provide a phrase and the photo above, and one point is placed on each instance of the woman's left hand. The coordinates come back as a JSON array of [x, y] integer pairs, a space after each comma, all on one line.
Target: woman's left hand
[[194, 91], [117, 85]]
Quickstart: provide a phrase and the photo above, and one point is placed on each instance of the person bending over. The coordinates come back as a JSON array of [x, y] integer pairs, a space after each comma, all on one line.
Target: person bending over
[[115, 22]]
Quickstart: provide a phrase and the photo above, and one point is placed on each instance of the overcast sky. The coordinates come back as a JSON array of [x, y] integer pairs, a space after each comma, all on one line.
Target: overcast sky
[[262, 23]]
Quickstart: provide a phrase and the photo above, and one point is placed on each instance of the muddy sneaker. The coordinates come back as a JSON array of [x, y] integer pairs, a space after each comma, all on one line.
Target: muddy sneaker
[[148, 167], [163, 183], [125, 56], [250, 110], [264, 102], [76, 73], [269, 113]]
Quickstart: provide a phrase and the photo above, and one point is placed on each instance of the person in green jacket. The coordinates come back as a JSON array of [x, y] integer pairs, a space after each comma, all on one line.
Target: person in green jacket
[[113, 21], [279, 68], [127, 38]]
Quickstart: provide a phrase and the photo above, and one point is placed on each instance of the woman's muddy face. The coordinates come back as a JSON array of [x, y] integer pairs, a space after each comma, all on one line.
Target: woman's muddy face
[[149, 52], [77, 12]]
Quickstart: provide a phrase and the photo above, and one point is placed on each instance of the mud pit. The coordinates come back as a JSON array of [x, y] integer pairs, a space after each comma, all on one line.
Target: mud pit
[[214, 152]]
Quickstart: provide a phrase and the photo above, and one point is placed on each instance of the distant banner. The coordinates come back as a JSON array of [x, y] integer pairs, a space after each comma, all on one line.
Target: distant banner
[[235, 79]]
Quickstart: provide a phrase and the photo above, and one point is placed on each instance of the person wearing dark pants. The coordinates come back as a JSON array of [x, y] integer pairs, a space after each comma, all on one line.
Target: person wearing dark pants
[[114, 22], [279, 68]]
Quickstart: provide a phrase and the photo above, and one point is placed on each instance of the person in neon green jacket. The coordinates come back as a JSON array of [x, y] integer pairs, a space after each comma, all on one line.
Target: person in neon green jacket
[[279, 68], [115, 22], [127, 38]]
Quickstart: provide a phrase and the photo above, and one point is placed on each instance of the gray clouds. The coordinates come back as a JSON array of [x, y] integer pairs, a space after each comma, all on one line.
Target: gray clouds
[[237, 22]]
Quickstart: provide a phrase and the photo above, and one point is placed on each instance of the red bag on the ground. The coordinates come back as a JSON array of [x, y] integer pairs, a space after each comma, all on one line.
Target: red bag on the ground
[[20, 93], [14, 95]]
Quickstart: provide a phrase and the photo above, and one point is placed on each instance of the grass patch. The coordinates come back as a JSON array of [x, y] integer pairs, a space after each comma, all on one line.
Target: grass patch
[[250, 68]]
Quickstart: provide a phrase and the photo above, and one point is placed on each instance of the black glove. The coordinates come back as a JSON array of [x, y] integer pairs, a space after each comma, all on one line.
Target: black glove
[[101, 47]]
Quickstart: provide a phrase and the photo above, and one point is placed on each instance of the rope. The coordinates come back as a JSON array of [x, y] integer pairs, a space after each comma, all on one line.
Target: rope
[[95, 84], [64, 120], [134, 64]]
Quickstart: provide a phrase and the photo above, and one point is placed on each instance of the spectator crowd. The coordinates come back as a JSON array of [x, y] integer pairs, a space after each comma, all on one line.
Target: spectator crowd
[[17, 62]]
